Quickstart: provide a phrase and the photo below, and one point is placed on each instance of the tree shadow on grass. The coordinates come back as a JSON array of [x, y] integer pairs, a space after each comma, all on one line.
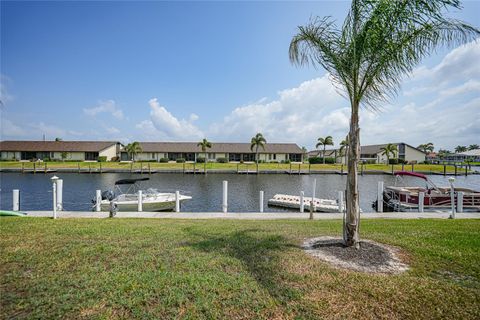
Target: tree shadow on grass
[[259, 252]]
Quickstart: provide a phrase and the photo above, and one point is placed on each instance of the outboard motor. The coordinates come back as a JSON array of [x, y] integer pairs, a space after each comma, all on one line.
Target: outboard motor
[[108, 195]]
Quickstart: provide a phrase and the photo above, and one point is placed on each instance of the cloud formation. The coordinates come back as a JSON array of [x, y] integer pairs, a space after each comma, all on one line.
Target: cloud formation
[[164, 125], [108, 106]]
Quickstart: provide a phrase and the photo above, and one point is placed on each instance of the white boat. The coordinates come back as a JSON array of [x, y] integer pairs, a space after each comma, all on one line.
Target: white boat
[[152, 199], [293, 202]]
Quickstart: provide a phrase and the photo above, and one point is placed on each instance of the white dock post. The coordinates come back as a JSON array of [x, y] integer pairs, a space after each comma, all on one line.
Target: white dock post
[[60, 195], [380, 196], [140, 201], [313, 193], [225, 197], [452, 196], [177, 201], [261, 201], [16, 200], [460, 201], [54, 193], [302, 205], [99, 200], [340, 201], [421, 199]]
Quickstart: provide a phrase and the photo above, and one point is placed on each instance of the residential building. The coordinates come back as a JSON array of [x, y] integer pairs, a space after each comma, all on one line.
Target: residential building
[[373, 153], [71, 150], [470, 155], [232, 152]]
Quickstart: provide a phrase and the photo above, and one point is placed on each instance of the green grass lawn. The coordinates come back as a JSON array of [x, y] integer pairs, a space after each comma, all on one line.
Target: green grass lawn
[[160, 269], [427, 168]]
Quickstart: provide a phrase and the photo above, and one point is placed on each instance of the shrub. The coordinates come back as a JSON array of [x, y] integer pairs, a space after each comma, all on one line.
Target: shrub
[[274, 161], [200, 160], [285, 161], [261, 161], [392, 161], [163, 160], [316, 160], [115, 159], [180, 160], [371, 161], [222, 160], [46, 159], [102, 159]]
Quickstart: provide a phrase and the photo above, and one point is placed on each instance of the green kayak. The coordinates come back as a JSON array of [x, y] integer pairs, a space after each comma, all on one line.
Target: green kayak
[[5, 213]]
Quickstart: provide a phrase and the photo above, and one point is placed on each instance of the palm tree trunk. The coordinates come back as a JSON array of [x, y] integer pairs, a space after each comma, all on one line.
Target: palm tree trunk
[[324, 146], [205, 163], [352, 216], [256, 156]]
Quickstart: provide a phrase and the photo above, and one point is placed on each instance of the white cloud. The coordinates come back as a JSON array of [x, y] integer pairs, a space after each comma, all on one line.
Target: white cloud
[[50, 131], [108, 106], [5, 96], [300, 114], [10, 129], [163, 124]]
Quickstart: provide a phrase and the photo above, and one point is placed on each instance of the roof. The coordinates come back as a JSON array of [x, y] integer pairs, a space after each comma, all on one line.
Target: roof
[[58, 146], [218, 147], [370, 149], [470, 153]]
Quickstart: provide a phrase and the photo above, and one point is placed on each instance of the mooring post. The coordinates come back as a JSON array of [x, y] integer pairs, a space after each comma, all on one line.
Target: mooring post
[[261, 201], [54, 193], [98, 202], [149, 169], [299, 167], [444, 170], [313, 190], [100, 167], [184, 168], [89, 168], [380, 196], [309, 167], [23, 167], [403, 166], [302, 205], [452, 196], [466, 170], [290, 168], [45, 168], [177, 201], [140, 201], [194, 167], [16, 200], [392, 169], [340, 201], [421, 201], [34, 167], [413, 167], [225, 196], [455, 165], [131, 167], [59, 194], [311, 210], [78, 164], [342, 169], [460, 201], [361, 167]]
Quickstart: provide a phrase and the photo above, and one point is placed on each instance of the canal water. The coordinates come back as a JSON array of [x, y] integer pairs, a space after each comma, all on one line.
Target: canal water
[[243, 190]]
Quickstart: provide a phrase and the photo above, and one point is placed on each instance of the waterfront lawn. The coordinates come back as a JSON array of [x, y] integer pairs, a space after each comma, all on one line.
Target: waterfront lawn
[[425, 168], [160, 269]]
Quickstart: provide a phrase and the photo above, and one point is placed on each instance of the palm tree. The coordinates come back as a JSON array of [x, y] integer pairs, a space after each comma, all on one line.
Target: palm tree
[[473, 147], [133, 149], [367, 58], [256, 142], [459, 149], [304, 153], [327, 141], [427, 147], [58, 139], [344, 148], [204, 144], [389, 149], [442, 153]]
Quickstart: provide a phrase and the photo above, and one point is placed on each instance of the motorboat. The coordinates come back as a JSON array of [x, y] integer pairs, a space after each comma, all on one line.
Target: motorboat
[[293, 202], [127, 200], [405, 198]]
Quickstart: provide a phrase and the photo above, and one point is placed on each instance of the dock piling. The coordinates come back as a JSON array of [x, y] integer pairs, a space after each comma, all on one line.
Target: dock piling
[[16, 200], [98, 195], [59, 194], [302, 205], [380, 196], [455, 169], [460, 202], [313, 190], [225, 196], [177, 201], [340, 201], [261, 201], [452, 196], [140, 201], [421, 200], [54, 193], [413, 169]]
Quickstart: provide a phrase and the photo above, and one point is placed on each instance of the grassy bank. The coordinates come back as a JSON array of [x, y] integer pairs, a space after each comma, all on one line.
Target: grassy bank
[[129, 268], [426, 168]]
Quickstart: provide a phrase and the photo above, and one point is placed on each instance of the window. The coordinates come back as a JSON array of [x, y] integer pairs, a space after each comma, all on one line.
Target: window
[[274, 156], [234, 157], [91, 156]]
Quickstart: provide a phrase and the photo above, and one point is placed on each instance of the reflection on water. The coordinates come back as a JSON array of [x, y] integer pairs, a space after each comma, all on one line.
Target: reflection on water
[[243, 190]]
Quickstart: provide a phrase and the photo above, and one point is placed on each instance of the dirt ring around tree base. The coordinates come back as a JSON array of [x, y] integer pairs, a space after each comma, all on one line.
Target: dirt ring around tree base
[[372, 257]]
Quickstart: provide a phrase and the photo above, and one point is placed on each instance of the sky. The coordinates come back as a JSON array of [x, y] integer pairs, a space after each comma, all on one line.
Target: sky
[[184, 71]]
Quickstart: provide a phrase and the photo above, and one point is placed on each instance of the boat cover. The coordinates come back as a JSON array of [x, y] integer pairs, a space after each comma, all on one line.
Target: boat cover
[[130, 181], [412, 174]]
